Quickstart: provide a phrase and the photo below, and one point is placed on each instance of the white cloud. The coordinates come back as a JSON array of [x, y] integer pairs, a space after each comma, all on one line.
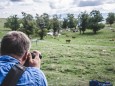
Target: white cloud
[[109, 7], [58, 4], [10, 7]]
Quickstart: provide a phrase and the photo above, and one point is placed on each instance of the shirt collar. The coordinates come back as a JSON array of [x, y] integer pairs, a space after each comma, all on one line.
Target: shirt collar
[[8, 59]]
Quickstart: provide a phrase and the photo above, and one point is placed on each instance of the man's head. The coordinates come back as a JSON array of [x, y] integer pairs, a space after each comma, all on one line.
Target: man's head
[[15, 43]]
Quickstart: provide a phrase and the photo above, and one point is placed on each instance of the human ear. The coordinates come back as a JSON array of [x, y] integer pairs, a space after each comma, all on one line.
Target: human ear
[[25, 56]]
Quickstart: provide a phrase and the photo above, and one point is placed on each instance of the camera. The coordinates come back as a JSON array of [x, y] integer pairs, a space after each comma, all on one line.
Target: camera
[[33, 56]]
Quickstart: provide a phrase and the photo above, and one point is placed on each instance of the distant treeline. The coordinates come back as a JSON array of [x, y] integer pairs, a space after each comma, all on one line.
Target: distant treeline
[[41, 24]]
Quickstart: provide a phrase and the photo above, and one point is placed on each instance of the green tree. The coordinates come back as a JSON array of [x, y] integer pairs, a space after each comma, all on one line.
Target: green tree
[[110, 18], [95, 20], [65, 23], [41, 28], [71, 21], [55, 24], [12, 22], [83, 21], [27, 24], [46, 20]]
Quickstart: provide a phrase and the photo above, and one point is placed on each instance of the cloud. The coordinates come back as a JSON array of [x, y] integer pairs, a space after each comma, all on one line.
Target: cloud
[[108, 1], [4, 4], [90, 3], [84, 3], [9, 7], [16, 0], [22, 0], [59, 4]]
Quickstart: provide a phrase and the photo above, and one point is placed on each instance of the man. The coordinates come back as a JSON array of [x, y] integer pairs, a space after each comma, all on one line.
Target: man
[[15, 47]]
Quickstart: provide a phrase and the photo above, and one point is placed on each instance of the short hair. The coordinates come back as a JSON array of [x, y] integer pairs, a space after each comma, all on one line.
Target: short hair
[[15, 42]]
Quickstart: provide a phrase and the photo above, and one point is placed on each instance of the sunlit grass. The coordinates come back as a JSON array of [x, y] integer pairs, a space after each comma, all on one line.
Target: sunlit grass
[[86, 57]]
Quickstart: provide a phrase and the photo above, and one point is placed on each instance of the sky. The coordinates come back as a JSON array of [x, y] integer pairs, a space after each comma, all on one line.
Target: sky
[[12, 7]]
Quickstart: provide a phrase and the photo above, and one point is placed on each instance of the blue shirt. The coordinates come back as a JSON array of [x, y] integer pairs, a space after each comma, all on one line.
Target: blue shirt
[[31, 77]]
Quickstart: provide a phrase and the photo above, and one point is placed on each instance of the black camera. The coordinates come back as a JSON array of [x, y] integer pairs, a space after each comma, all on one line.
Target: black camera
[[33, 56]]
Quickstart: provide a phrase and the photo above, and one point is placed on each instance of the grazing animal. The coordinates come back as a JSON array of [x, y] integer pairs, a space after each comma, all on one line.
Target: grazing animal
[[113, 30], [73, 37], [68, 41], [112, 39]]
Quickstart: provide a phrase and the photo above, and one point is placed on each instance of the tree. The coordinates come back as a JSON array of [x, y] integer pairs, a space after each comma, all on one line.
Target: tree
[[45, 16], [83, 21], [110, 18], [12, 22], [27, 24], [65, 23], [71, 21], [55, 24], [95, 20], [41, 22]]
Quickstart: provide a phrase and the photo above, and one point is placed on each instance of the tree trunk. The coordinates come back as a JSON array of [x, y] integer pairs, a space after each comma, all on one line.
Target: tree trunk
[[54, 33], [41, 38], [83, 32], [94, 31], [110, 25], [80, 31], [42, 35]]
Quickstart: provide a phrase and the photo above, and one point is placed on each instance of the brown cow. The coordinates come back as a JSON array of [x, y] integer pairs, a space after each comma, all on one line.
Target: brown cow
[[68, 41]]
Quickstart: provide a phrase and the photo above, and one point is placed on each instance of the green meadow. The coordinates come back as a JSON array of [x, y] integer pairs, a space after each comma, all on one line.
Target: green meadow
[[88, 56]]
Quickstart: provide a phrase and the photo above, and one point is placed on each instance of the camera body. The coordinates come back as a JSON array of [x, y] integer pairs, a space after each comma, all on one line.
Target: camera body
[[33, 56]]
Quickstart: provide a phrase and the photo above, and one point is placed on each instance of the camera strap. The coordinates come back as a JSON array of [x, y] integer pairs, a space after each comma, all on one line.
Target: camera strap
[[13, 75]]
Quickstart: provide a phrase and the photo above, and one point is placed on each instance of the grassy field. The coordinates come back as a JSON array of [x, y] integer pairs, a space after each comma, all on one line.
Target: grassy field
[[85, 58]]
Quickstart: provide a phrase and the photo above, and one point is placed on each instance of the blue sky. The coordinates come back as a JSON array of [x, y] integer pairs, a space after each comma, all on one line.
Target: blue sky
[[11, 7]]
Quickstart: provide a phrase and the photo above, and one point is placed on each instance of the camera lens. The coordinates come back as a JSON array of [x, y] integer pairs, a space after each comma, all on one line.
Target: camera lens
[[33, 56], [40, 56]]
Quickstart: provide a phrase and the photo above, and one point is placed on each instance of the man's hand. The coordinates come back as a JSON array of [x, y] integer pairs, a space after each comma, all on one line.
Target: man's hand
[[36, 62]]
